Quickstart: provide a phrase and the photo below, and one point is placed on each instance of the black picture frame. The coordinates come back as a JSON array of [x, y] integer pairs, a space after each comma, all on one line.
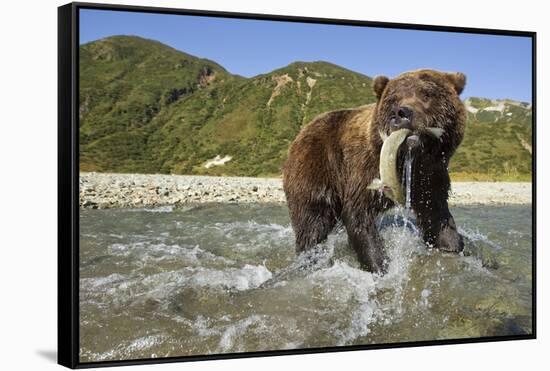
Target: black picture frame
[[68, 181]]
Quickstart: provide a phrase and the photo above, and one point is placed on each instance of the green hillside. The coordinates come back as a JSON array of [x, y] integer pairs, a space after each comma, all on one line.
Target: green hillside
[[125, 83], [498, 141], [148, 108]]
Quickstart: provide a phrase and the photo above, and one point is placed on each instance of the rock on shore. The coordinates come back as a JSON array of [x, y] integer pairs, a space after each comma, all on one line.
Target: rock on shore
[[102, 190]]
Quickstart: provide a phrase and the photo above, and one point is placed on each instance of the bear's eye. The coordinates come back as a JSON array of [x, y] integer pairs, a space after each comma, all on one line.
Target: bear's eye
[[425, 95]]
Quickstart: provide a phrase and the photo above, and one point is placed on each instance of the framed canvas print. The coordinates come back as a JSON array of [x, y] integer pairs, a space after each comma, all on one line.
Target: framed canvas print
[[237, 185]]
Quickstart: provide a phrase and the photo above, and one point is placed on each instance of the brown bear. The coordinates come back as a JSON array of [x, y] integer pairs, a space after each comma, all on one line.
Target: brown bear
[[336, 157]]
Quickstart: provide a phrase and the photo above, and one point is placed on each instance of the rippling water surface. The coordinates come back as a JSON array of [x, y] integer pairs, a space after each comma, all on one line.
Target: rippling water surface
[[225, 278]]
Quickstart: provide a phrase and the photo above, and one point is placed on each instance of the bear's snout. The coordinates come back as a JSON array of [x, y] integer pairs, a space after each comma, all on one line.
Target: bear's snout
[[402, 118], [405, 112]]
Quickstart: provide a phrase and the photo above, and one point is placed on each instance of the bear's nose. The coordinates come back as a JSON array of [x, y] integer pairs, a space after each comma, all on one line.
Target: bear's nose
[[405, 112], [402, 118]]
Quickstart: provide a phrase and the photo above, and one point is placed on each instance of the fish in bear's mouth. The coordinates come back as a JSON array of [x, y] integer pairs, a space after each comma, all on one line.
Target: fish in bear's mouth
[[414, 139], [389, 181]]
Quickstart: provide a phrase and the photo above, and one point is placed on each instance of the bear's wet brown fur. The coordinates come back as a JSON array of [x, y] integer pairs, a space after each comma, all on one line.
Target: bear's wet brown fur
[[335, 158]]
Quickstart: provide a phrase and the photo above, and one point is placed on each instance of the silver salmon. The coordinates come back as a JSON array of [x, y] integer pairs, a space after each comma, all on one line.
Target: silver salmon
[[389, 182]]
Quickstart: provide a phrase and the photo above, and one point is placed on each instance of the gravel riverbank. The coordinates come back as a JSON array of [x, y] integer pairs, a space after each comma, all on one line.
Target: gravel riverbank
[[100, 190]]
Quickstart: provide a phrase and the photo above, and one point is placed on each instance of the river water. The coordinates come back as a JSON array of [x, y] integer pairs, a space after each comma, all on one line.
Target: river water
[[224, 278]]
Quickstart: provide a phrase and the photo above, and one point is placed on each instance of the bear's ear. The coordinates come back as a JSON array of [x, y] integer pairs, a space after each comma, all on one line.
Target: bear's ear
[[379, 84], [458, 80]]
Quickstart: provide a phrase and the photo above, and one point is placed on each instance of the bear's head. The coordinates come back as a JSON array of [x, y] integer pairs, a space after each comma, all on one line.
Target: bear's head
[[422, 101]]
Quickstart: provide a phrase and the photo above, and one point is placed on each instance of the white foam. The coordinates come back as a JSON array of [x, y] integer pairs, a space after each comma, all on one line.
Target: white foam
[[143, 343], [344, 284], [159, 209], [235, 331], [363, 318], [245, 278], [348, 284], [126, 350], [475, 265], [252, 238], [128, 290], [358, 283], [270, 231], [476, 235], [144, 251], [101, 282], [401, 243]]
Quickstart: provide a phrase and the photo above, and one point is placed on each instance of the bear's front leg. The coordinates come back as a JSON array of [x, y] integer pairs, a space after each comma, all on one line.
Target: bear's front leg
[[439, 229], [429, 194], [429, 202], [364, 238]]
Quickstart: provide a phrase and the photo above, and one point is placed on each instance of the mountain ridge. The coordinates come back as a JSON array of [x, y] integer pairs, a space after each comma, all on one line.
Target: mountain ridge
[[149, 108]]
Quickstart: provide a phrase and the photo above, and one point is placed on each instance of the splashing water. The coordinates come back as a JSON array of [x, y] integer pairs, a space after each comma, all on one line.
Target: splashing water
[[405, 213], [408, 179], [225, 278]]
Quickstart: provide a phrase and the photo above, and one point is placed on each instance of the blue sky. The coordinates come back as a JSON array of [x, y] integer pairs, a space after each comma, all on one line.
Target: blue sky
[[496, 66]]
